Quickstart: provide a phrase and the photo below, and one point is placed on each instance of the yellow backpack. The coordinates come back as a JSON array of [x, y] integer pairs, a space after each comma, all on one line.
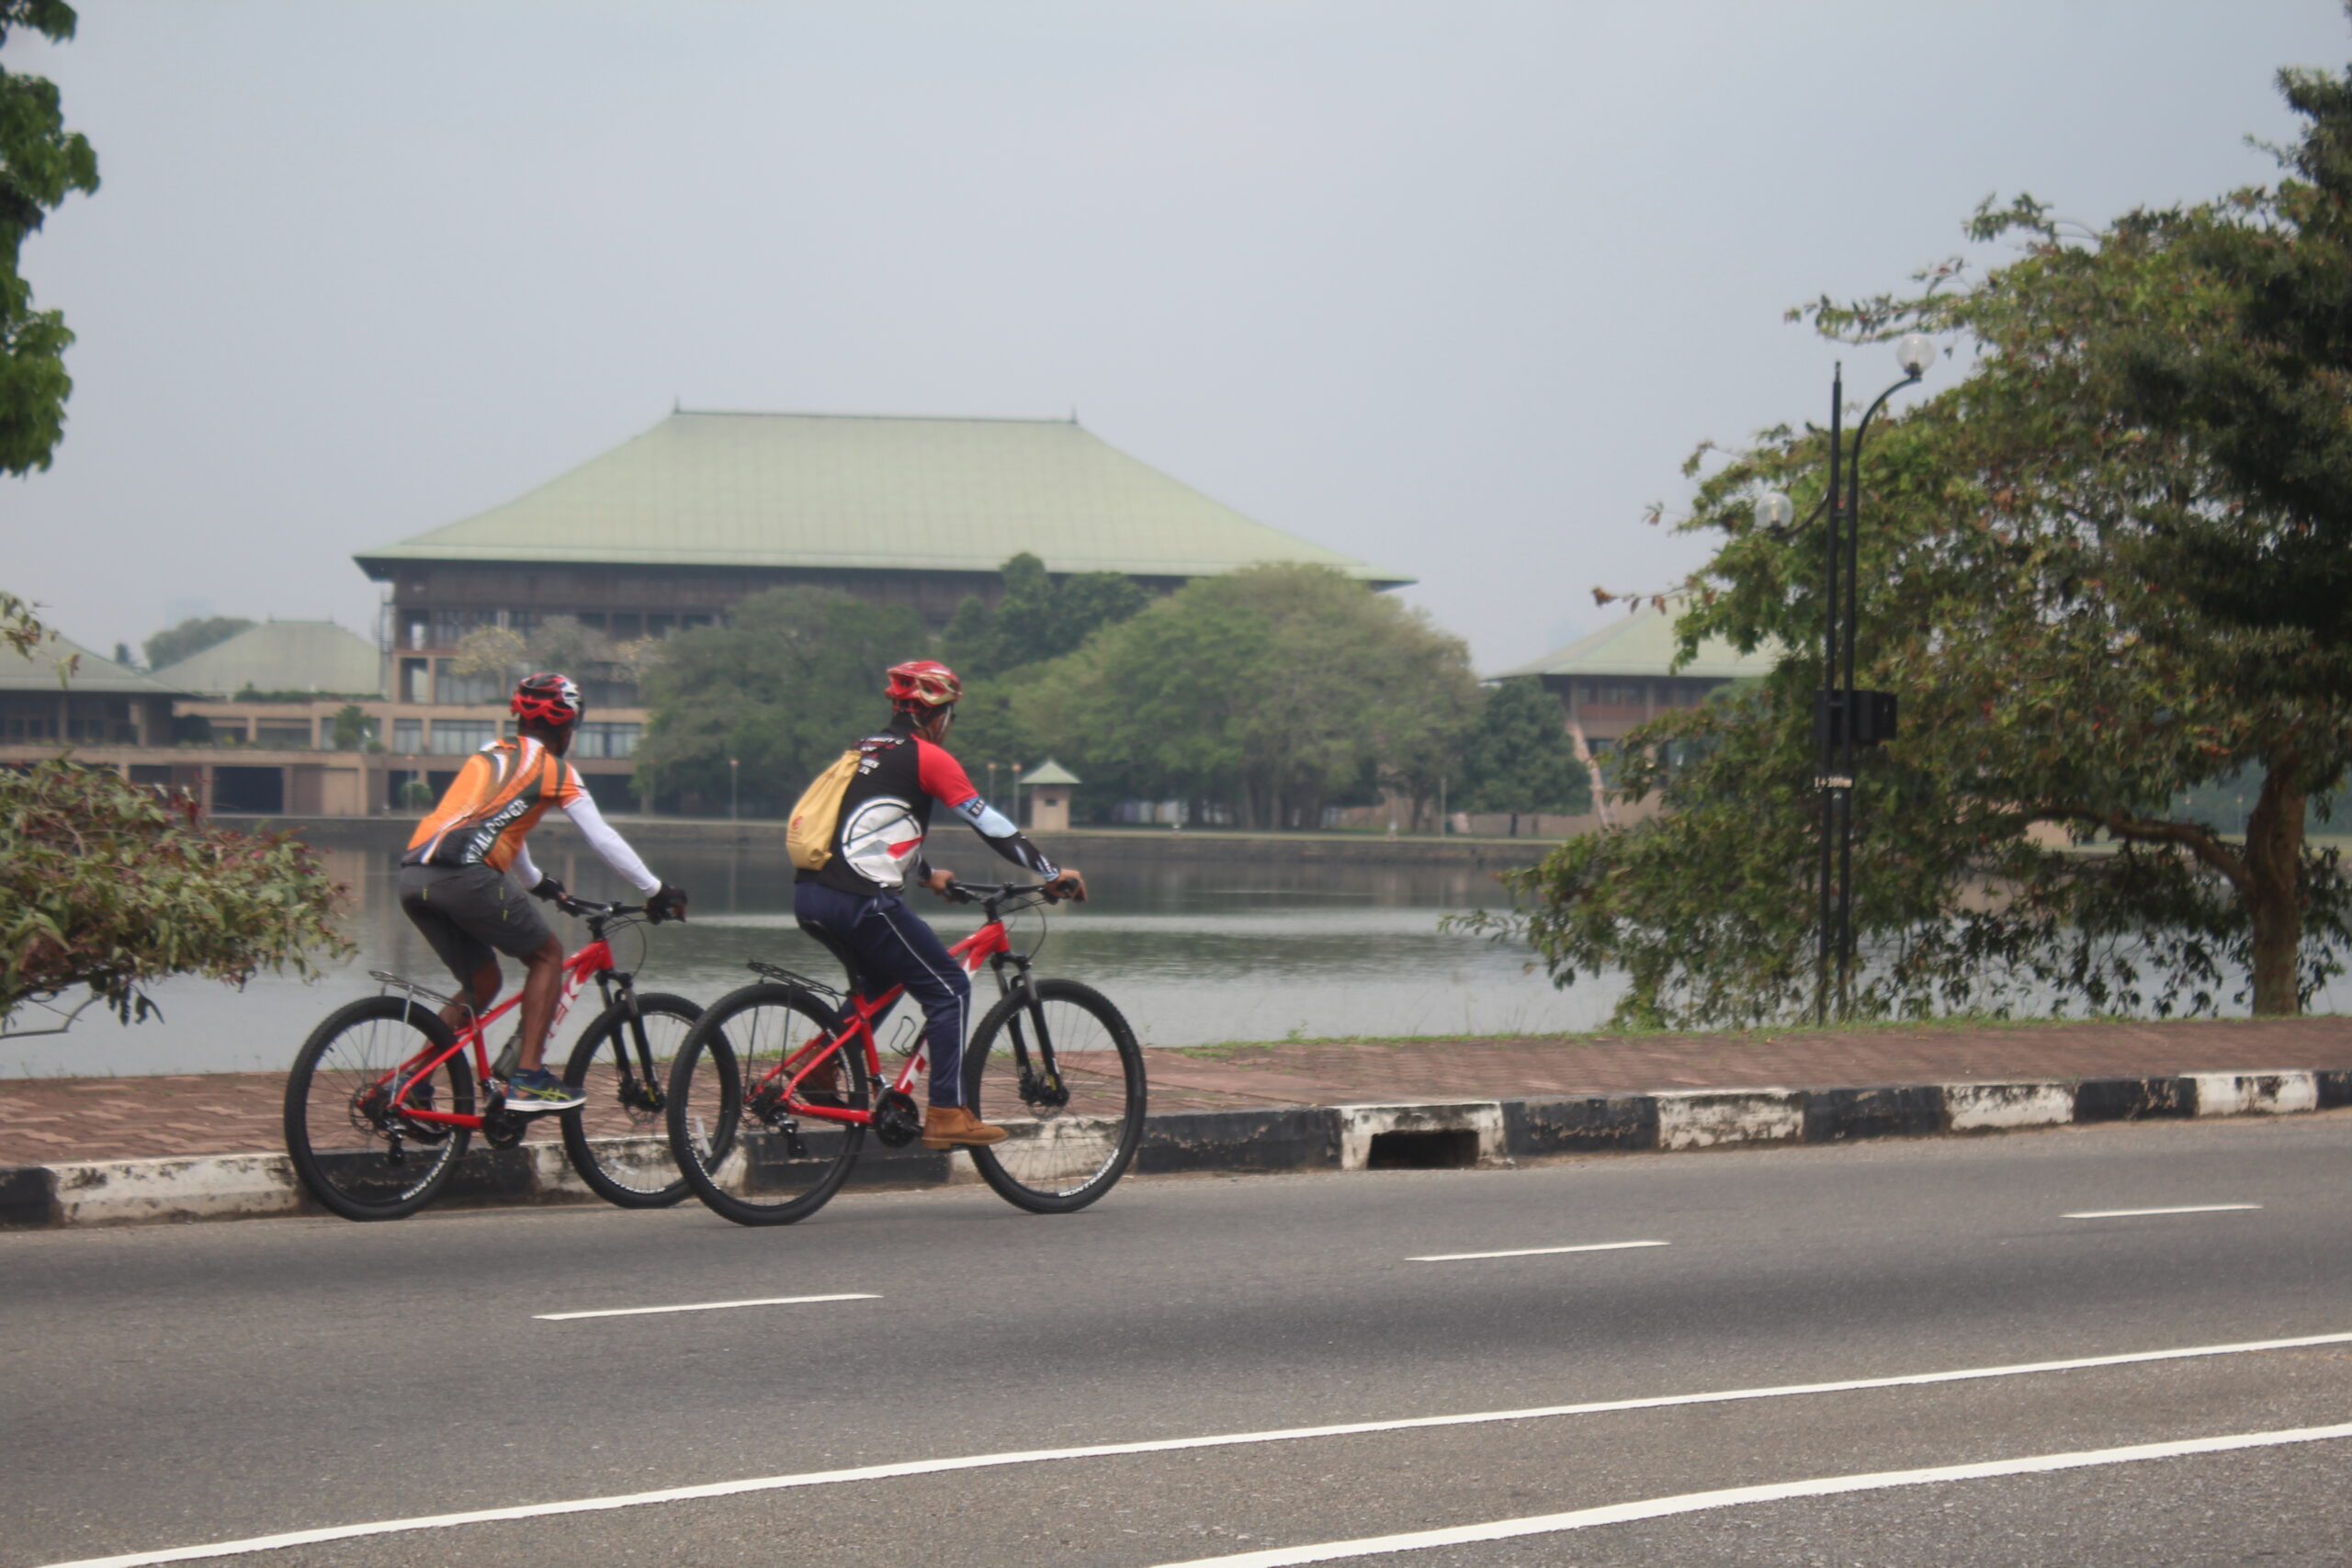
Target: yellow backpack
[[808, 835]]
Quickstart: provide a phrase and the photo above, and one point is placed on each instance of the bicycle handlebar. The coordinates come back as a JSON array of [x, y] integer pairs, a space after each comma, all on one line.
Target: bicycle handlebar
[[588, 909], [961, 892]]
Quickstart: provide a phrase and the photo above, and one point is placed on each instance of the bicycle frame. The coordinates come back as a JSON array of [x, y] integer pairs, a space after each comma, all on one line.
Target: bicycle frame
[[593, 962], [989, 945]]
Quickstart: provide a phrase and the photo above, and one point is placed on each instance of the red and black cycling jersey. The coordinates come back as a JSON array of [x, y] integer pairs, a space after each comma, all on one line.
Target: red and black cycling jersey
[[885, 815]]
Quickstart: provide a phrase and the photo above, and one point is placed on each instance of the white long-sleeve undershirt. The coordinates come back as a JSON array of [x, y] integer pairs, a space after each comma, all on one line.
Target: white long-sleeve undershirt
[[602, 838]]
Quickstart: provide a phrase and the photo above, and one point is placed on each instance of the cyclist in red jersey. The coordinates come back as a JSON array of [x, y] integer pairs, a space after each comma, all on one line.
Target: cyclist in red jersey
[[853, 905], [459, 876]]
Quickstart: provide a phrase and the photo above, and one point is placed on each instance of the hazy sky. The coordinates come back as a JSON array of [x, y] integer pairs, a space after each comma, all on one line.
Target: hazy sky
[[1452, 286]]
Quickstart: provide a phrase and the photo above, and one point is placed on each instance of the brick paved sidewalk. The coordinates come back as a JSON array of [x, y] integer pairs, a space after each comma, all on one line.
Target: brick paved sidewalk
[[48, 1121]]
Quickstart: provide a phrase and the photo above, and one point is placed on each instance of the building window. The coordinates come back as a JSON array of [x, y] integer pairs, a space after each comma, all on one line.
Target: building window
[[456, 736], [282, 737], [408, 736], [599, 739], [451, 689]]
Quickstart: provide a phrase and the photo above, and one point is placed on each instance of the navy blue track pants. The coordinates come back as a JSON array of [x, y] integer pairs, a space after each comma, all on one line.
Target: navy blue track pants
[[887, 944]]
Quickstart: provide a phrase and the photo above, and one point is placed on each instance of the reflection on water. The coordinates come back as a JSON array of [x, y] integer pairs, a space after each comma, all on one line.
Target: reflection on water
[[1193, 952]]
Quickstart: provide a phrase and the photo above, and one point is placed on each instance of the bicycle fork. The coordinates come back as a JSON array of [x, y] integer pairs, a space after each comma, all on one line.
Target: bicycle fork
[[1041, 1078]]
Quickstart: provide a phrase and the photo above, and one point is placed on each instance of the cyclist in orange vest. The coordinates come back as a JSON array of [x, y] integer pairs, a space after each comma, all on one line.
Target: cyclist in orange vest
[[466, 869]]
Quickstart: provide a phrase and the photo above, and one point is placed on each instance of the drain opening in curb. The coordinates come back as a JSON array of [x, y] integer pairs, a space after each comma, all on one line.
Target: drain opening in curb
[[1449, 1148]]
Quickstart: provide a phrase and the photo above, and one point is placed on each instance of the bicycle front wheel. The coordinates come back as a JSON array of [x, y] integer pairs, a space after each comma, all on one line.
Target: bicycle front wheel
[[1058, 1068], [743, 1153], [353, 1153], [620, 1141]]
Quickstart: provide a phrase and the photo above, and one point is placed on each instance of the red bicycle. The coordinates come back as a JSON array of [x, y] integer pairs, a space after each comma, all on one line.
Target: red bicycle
[[773, 1091], [381, 1100]]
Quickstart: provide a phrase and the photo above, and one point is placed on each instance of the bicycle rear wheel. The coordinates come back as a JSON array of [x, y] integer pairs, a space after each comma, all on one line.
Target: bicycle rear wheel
[[741, 1152], [352, 1154], [620, 1141], [1074, 1130]]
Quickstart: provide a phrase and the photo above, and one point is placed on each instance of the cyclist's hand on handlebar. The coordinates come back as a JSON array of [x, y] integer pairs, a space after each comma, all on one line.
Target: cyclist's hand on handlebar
[[549, 889], [1069, 885], [942, 881], [668, 904]]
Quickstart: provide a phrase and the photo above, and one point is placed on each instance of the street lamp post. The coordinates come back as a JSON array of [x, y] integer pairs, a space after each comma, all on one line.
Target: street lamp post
[[1844, 716], [734, 766]]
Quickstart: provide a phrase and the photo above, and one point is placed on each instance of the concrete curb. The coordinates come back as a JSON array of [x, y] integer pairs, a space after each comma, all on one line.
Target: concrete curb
[[1425, 1136]]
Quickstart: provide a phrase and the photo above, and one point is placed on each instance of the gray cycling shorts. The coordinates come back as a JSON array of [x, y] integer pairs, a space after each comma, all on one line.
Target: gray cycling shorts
[[470, 914]]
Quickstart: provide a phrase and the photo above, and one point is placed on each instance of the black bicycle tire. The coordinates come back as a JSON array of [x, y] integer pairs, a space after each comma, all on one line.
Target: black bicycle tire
[[710, 1040], [992, 1169], [577, 1146], [309, 1167]]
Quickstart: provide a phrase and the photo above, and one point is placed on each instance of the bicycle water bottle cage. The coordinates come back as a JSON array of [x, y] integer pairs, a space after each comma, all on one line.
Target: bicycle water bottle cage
[[797, 981]]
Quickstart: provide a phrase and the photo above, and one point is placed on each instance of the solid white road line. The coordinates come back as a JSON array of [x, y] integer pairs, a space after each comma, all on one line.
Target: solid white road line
[[1535, 1251], [708, 1306], [1163, 1446], [2135, 1214], [1736, 1496]]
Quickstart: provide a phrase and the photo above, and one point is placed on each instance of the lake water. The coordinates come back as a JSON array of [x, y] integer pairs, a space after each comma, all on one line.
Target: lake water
[[1193, 952]]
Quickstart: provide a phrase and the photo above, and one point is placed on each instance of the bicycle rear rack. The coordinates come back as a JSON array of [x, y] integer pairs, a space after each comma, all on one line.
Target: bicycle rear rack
[[784, 976], [394, 982]]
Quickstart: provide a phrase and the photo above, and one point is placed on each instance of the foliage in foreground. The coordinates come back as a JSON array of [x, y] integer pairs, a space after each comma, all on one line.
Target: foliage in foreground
[[2025, 557], [105, 885]]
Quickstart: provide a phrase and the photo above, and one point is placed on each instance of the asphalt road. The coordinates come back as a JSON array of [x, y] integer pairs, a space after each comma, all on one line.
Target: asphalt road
[[178, 1386]]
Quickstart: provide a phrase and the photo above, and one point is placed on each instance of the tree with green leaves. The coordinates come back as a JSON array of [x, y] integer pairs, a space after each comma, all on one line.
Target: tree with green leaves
[[1037, 618], [40, 163], [1519, 759], [1272, 691], [2262, 383], [2069, 682], [794, 676], [192, 636]]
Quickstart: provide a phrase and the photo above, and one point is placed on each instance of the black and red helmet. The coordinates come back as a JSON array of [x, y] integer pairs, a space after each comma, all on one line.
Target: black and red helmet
[[551, 699], [921, 684]]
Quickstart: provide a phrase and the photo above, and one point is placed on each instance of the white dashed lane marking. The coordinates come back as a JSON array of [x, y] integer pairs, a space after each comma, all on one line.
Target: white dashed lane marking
[[1535, 1251], [2137, 1213], [706, 1306]]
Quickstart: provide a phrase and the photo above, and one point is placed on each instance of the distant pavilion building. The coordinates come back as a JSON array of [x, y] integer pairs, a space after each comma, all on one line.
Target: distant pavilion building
[[668, 529], [1049, 785], [1624, 675], [109, 716]]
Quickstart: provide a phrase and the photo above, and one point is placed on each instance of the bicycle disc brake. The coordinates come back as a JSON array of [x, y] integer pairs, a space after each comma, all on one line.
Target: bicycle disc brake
[[1043, 1091], [897, 1122]]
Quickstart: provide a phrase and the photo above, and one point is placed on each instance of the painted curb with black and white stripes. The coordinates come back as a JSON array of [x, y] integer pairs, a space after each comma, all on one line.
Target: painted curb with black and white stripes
[[1469, 1133]]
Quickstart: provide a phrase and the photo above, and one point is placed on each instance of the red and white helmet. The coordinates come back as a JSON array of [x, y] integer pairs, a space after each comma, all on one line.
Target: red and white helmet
[[923, 683], [552, 699]]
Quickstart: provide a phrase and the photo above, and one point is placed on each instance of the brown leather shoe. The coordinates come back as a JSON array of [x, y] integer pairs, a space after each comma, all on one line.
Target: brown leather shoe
[[955, 1126]]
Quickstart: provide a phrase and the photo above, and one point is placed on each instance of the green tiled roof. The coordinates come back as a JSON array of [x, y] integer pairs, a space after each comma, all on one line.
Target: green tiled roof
[[282, 656], [1643, 644], [1049, 772], [763, 489], [94, 675]]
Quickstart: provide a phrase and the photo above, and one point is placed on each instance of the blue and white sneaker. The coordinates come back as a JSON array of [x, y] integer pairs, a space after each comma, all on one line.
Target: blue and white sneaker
[[538, 1089]]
